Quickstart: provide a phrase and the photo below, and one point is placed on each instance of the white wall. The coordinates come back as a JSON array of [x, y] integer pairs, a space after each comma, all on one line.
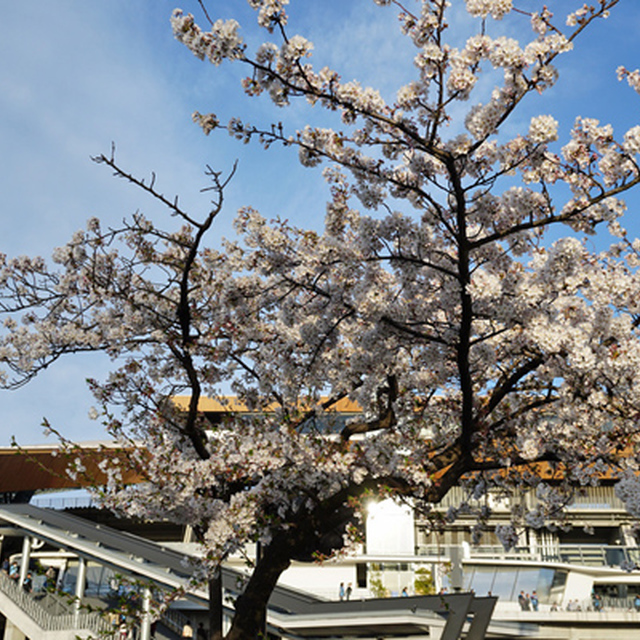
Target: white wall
[[579, 585], [323, 579], [390, 529]]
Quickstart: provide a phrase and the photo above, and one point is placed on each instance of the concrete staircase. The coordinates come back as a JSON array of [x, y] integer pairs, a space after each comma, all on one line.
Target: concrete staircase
[[45, 618]]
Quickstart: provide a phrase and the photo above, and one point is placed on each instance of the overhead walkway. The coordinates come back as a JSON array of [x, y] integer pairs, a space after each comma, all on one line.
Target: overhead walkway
[[291, 613]]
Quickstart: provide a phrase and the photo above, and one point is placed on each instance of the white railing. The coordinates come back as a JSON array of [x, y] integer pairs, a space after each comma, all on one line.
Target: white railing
[[594, 499], [30, 606], [55, 604], [174, 620], [57, 503], [595, 555]]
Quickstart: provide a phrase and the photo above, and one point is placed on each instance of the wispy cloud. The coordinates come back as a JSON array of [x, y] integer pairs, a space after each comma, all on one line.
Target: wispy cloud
[[78, 75]]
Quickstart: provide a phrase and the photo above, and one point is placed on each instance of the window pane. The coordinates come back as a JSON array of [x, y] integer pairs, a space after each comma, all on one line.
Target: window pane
[[504, 586], [483, 579], [527, 580]]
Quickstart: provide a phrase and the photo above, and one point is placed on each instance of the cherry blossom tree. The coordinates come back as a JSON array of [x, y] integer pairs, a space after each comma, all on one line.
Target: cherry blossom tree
[[479, 352]]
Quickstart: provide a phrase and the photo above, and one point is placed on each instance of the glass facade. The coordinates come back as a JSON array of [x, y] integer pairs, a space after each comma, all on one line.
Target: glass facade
[[503, 581], [507, 582], [99, 580]]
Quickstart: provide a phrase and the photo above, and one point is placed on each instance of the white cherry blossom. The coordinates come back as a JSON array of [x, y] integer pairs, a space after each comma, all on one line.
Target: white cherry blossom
[[472, 346]]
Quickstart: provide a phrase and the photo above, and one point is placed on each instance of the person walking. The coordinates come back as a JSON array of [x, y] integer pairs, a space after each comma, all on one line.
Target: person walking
[[27, 585], [187, 630], [597, 602]]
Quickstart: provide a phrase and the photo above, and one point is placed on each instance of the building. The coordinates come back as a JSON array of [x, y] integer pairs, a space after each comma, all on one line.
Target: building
[[580, 581]]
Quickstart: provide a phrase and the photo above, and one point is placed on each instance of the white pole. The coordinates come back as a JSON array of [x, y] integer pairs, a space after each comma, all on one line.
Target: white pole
[[145, 627], [80, 580], [26, 557]]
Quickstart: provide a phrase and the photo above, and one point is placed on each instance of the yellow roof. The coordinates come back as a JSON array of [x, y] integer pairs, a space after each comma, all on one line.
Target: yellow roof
[[231, 404]]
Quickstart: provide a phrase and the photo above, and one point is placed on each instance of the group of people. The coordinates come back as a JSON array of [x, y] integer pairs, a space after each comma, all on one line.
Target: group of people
[[597, 603], [13, 571], [574, 605], [201, 632], [528, 602], [345, 594]]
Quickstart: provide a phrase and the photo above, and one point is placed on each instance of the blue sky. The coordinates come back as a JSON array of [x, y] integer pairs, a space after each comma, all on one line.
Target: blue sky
[[79, 75]]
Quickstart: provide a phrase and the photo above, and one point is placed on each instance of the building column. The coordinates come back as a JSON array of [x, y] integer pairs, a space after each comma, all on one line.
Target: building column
[[11, 632], [456, 575], [626, 533], [534, 547], [145, 626], [551, 549], [25, 558], [80, 580], [436, 577], [226, 623], [188, 535]]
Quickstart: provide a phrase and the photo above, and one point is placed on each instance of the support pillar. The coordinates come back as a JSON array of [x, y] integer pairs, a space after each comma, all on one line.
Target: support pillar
[[188, 535], [24, 560], [145, 626], [80, 580], [455, 576], [534, 547], [226, 624], [11, 632], [628, 539], [435, 576]]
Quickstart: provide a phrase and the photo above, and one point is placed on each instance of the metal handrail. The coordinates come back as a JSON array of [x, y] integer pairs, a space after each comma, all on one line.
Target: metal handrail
[[584, 554], [174, 620], [595, 498], [54, 603], [44, 619]]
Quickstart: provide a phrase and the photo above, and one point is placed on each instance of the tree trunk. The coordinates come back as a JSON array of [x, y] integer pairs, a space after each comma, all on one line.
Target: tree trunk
[[215, 607], [249, 621]]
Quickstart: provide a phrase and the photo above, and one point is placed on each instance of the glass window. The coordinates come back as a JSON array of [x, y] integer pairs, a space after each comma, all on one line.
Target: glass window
[[99, 579], [467, 579], [545, 585], [527, 580], [68, 582], [504, 585], [507, 582], [483, 579], [361, 575]]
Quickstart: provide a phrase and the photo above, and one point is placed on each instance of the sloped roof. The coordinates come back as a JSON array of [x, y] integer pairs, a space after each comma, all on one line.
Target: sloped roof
[[35, 468]]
